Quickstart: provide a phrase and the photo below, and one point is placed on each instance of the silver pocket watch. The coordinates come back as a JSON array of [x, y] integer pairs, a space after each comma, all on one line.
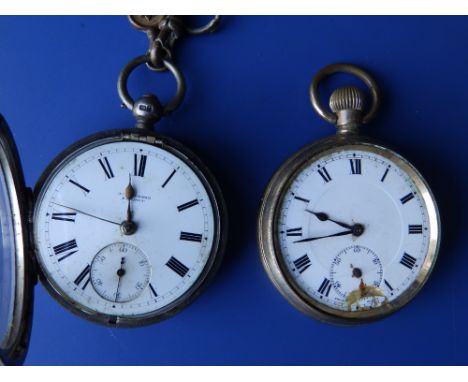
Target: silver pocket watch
[[348, 230], [124, 228]]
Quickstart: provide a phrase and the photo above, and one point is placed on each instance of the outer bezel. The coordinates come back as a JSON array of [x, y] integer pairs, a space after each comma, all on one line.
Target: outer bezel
[[18, 337], [267, 236], [220, 222]]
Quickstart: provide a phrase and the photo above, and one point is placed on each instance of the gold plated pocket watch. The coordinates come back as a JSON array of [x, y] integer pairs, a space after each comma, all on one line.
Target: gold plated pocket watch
[[348, 230], [125, 228]]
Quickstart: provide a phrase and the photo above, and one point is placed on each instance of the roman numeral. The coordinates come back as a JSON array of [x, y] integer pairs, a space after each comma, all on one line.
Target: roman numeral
[[177, 266], [139, 165], [388, 285], [190, 204], [324, 174], [64, 216], [415, 228], [84, 276], [191, 236], [301, 199], [78, 185], [294, 232], [153, 291], [408, 261], [385, 174], [168, 179], [63, 248], [407, 198], [106, 167], [325, 287], [302, 263], [355, 166]]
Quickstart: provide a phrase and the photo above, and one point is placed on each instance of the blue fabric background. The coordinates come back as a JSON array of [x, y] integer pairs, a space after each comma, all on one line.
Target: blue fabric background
[[247, 110]]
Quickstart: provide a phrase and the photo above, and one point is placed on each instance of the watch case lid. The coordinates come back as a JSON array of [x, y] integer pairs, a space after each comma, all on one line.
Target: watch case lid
[[16, 266]]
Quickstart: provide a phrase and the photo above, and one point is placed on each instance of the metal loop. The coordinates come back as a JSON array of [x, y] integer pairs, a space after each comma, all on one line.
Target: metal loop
[[343, 68], [128, 101], [207, 28]]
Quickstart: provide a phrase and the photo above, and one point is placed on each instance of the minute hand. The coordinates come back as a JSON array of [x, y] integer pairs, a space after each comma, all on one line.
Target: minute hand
[[343, 233], [86, 214]]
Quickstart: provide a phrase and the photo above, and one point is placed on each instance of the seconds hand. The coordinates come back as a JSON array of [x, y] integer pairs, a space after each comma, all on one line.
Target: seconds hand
[[120, 273]]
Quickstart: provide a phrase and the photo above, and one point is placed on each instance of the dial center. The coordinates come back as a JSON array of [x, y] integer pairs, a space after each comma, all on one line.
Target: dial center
[[358, 229], [357, 273], [128, 227]]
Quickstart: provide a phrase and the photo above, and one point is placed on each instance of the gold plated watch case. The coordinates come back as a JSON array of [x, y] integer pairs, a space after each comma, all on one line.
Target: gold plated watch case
[[347, 138]]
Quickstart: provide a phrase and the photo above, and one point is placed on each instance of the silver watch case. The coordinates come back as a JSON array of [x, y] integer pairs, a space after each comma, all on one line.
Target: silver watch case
[[28, 268], [14, 347]]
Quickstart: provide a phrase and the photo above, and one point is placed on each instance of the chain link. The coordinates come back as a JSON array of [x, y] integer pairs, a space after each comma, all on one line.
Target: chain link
[[163, 32], [162, 40]]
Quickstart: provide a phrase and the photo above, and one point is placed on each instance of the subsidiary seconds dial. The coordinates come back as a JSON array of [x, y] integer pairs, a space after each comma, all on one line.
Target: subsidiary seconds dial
[[120, 272]]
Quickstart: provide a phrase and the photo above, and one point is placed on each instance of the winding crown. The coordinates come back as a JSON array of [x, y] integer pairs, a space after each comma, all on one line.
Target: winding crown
[[347, 98], [347, 103]]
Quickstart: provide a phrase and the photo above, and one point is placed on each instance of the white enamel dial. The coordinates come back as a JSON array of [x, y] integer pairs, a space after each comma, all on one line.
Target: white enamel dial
[[116, 197], [353, 230]]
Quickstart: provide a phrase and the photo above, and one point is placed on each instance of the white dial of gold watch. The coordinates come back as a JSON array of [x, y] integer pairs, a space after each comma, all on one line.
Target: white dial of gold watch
[[353, 230]]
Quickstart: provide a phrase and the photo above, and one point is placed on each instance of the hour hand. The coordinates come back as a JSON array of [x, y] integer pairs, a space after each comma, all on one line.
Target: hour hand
[[357, 229], [343, 233], [129, 227], [322, 216]]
